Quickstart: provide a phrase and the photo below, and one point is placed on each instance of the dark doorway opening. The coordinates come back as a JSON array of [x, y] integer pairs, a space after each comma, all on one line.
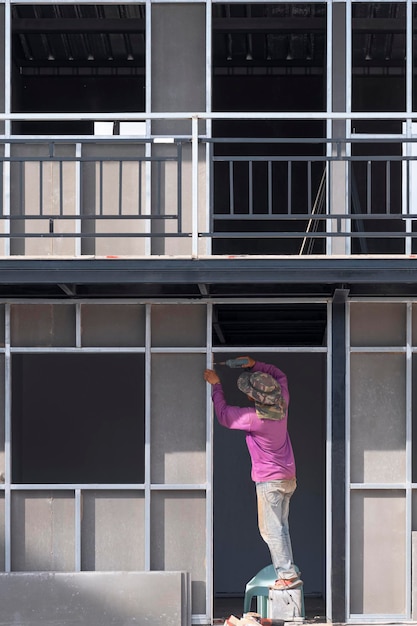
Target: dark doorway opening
[[239, 551]]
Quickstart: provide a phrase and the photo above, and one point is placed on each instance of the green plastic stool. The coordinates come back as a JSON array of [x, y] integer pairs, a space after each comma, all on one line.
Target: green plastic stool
[[258, 586]]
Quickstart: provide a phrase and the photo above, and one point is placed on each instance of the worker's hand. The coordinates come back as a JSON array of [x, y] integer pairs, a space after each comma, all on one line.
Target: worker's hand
[[211, 377], [251, 362]]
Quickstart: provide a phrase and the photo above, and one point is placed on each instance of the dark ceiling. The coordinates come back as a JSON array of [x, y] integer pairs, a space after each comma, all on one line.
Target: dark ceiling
[[270, 324], [92, 38]]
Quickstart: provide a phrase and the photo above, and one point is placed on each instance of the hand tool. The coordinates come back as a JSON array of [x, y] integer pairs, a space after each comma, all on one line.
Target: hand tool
[[239, 362]]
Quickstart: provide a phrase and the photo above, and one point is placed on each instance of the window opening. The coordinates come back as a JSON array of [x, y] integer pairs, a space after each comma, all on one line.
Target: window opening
[[77, 58], [78, 418], [267, 57]]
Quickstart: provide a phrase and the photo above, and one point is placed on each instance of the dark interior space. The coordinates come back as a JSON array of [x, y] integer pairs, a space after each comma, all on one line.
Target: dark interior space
[[239, 551], [266, 57], [86, 94], [272, 325], [77, 58], [78, 418]]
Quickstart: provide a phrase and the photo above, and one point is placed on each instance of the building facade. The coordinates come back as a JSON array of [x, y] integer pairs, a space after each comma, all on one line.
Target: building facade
[[183, 182]]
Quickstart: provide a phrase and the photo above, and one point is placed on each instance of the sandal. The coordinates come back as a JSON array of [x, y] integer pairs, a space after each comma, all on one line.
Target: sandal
[[287, 583]]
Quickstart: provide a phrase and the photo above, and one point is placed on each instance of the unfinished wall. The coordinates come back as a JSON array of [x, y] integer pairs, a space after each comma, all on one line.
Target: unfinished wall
[[108, 452], [379, 466]]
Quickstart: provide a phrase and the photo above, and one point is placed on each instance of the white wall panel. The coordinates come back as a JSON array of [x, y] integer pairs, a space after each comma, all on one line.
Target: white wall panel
[[112, 531], [378, 553], [376, 325], [378, 423], [178, 419]]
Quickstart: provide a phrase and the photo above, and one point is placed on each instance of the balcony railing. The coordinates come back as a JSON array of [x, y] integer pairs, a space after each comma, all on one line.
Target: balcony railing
[[194, 195]]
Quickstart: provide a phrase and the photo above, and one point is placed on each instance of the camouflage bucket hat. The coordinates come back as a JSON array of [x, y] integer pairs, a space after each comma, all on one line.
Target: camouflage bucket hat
[[266, 392]]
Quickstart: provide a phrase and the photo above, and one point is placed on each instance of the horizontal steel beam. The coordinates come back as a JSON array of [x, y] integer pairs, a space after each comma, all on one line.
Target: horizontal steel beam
[[270, 25], [266, 25], [58, 26], [210, 271]]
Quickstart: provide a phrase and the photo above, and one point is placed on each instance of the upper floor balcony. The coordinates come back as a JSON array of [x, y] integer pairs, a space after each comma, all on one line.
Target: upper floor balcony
[[123, 191]]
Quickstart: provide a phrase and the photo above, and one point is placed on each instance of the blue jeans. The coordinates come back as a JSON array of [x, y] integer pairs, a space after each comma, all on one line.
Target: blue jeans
[[273, 511]]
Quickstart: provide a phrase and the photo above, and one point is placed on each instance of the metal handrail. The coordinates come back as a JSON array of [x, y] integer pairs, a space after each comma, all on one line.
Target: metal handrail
[[166, 178]]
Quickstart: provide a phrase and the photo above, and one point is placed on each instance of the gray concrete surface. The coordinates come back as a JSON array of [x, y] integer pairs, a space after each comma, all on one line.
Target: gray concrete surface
[[95, 599]]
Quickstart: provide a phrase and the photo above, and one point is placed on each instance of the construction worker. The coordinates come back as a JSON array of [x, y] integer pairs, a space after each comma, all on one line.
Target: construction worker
[[269, 445]]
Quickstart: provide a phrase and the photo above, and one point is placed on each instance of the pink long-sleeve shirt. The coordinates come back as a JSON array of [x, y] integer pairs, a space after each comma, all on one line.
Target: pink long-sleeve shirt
[[268, 441]]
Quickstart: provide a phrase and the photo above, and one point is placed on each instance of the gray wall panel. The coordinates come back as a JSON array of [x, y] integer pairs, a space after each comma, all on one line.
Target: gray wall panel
[[178, 422], [378, 552], [2, 420], [2, 535], [182, 325], [112, 325], [376, 325], [112, 531], [45, 325], [178, 538], [91, 598], [43, 531], [378, 418]]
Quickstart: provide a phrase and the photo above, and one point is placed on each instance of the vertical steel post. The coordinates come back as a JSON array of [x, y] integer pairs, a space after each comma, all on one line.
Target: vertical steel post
[[338, 456]]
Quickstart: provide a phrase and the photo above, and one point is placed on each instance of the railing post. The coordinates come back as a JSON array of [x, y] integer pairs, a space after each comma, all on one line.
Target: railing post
[[78, 201], [194, 184]]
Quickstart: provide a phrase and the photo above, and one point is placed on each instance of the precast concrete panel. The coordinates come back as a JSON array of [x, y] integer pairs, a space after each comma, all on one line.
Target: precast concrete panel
[[167, 201], [181, 325], [42, 325], [112, 325], [178, 84], [178, 419], [43, 531], [378, 424], [414, 573], [376, 325], [414, 324], [2, 48], [2, 420], [178, 522], [2, 534], [114, 184], [2, 104], [2, 325], [43, 190], [91, 598], [378, 553], [112, 531], [178, 62]]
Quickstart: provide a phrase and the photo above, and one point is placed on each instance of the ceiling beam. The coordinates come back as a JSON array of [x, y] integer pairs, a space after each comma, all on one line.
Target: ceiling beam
[[269, 25], [266, 25], [216, 271], [85, 26]]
